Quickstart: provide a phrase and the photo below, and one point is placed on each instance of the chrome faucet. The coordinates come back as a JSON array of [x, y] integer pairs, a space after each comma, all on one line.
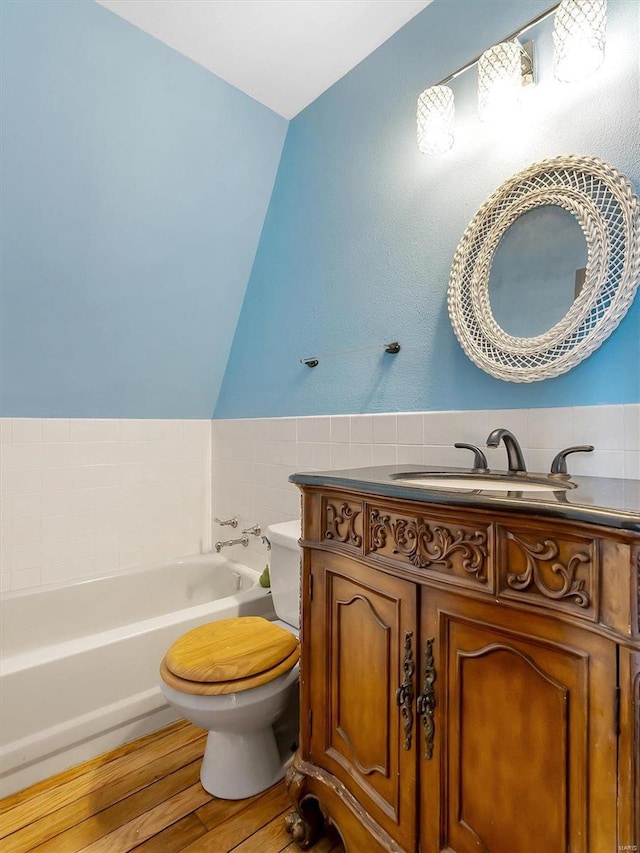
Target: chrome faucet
[[254, 530], [243, 540], [515, 457]]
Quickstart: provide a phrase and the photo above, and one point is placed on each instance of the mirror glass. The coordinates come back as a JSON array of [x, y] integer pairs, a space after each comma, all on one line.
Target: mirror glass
[[537, 271]]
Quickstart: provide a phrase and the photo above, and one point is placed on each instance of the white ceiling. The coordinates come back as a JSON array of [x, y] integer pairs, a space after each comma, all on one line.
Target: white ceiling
[[283, 53]]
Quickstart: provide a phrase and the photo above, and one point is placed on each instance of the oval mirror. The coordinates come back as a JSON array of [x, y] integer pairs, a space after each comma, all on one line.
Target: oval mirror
[[546, 269], [537, 271]]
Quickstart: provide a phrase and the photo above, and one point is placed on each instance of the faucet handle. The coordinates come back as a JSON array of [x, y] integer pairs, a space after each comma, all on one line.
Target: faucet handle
[[559, 464], [255, 530], [479, 459], [230, 522]]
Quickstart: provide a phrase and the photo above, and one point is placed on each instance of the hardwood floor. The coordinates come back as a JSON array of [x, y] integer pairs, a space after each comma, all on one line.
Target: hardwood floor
[[146, 796]]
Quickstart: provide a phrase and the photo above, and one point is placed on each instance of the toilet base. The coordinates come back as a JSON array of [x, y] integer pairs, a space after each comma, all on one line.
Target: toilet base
[[241, 764]]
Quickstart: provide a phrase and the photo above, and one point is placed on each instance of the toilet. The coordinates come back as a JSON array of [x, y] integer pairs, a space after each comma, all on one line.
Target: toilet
[[238, 678]]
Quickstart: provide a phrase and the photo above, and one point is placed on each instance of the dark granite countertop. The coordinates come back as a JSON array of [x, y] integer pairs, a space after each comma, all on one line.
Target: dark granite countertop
[[599, 500]]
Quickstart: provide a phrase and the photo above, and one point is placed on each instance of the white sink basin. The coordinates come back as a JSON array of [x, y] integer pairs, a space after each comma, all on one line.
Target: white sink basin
[[473, 482]]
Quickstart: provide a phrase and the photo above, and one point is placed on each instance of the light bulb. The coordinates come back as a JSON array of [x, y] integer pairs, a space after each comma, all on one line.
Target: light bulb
[[500, 81], [435, 113], [579, 37]]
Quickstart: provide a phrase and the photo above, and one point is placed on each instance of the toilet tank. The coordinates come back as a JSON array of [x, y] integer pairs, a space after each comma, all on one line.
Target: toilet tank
[[284, 570]]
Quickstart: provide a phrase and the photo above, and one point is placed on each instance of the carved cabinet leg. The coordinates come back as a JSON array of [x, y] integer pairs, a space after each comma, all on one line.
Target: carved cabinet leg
[[304, 824]]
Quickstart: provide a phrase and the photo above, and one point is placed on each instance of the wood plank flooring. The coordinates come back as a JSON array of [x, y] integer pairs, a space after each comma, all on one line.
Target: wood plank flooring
[[146, 796]]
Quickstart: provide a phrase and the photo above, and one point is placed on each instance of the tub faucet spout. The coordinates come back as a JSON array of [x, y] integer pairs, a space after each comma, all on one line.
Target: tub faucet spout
[[515, 456], [243, 540]]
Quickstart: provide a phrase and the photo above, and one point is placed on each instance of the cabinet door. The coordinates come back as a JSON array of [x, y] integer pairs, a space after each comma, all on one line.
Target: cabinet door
[[524, 754], [361, 639]]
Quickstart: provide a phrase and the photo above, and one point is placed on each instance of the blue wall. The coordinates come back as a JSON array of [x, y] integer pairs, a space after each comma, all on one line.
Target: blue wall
[[134, 190], [361, 229]]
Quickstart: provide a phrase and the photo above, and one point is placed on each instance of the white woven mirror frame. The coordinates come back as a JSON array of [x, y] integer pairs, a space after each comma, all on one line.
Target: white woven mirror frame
[[607, 210]]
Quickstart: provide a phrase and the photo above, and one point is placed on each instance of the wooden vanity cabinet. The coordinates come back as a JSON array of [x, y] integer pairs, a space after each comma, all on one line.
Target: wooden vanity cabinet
[[470, 680]]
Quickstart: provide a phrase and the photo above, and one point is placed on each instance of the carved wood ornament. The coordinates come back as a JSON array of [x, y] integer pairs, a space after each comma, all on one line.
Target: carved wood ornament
[[532, 575], [340, 524], [304, 824], [425, 546]]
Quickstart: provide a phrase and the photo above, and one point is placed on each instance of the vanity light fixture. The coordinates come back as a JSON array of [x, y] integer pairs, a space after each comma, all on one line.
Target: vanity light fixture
[[578, 38], [506, 68], [503, 71]]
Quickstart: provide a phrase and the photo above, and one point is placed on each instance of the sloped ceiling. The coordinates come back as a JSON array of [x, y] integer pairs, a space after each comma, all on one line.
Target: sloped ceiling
[[283, 53]]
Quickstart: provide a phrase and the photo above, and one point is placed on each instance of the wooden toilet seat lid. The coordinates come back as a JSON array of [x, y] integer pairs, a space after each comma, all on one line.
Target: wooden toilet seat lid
[[219, 688], [230, 650]]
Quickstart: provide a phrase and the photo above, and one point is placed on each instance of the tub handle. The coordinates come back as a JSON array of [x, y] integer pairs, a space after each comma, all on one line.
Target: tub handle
[[230, 522]]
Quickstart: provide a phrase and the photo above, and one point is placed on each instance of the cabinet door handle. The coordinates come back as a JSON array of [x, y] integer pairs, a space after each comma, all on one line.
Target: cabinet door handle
[[404, 693], [426, 702]]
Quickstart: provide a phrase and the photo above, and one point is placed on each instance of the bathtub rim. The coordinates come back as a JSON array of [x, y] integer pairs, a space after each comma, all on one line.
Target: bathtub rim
[[217, 559], [9, 664]]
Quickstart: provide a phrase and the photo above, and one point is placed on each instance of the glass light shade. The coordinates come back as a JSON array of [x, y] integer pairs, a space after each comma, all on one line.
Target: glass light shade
[[500, 81], [435, 114], [578, 38]]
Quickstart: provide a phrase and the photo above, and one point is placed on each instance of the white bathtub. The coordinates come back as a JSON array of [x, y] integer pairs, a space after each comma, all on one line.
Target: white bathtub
[[79, 666]]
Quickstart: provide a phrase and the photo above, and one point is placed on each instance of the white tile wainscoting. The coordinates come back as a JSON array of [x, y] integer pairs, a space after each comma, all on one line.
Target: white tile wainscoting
[[252, 458], [84, 497]]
